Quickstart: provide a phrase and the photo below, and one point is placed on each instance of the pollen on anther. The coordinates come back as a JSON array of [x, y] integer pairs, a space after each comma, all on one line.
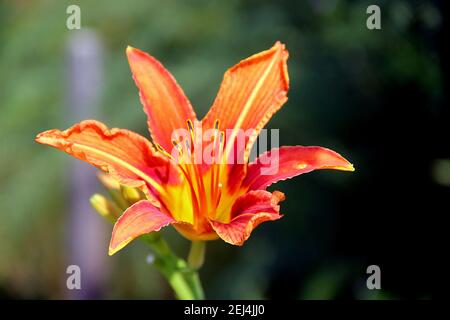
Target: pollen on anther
[[190, 125], [216, 124], [176, 144]]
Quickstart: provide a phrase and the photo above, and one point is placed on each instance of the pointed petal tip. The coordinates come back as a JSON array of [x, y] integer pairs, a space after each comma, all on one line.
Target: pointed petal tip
[[111, 251], [43, 137], [279, 44], [114, 250], [129, 52], [38, 138], [130, 49], [347, 167], [133, 52], [350, 168], [343, 166], [116, 247], [282, 48], [335, 160]]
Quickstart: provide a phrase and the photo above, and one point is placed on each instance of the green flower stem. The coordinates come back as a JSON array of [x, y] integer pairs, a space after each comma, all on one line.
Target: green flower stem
[[196, 285], [196, 258], [182, 277], [196, 254], [183, 280]]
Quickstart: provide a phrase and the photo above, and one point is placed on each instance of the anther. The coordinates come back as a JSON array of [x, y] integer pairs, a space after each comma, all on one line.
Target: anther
[[178, 147], [161, 149], [190, 126]]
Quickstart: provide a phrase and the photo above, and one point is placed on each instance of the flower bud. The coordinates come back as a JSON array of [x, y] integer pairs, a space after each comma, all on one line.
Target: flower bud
[[131, 195], [107, 209]]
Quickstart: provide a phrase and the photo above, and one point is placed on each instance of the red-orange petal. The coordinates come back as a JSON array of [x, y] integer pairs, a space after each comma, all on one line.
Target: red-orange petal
[[250, 93], [141, 218], [290, 162], [127, 156], [249, 210], [164, 102]]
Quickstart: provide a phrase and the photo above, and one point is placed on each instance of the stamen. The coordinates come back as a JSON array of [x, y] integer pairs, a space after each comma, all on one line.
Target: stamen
[[215, 174], [177, 145], [203, 200], [180, 159], [221, 143], [190, 126], [161, 149], [188, 147]]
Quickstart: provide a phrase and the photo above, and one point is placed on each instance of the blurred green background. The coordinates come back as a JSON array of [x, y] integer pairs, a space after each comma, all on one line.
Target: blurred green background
[[377, 97]]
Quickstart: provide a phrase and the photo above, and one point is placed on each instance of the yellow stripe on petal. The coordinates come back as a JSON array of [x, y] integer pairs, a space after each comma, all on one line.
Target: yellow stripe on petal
[[250, 93], [126, 156], [290, 162], [164, 102]]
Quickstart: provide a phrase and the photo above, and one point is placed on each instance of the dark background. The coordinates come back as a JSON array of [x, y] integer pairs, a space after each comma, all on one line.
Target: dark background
[[378, 97]]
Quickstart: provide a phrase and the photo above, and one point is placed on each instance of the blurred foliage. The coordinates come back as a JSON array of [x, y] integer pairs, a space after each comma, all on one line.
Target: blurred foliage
[[342, 78]]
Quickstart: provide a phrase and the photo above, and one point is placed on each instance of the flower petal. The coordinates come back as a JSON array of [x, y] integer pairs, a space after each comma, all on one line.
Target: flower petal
[[247, 213], [287, 162], [164, 102], [250, 93], [141, 218], [127, 156]]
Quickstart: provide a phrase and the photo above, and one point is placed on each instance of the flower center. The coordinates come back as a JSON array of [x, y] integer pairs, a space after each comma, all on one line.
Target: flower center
[[205, 179]]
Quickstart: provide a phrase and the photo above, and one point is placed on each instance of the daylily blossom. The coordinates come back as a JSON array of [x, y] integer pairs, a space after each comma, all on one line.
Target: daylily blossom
[[203, 201]]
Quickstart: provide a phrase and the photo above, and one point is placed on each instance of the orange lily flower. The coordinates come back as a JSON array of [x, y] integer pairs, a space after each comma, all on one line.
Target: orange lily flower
[[202, 201]]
